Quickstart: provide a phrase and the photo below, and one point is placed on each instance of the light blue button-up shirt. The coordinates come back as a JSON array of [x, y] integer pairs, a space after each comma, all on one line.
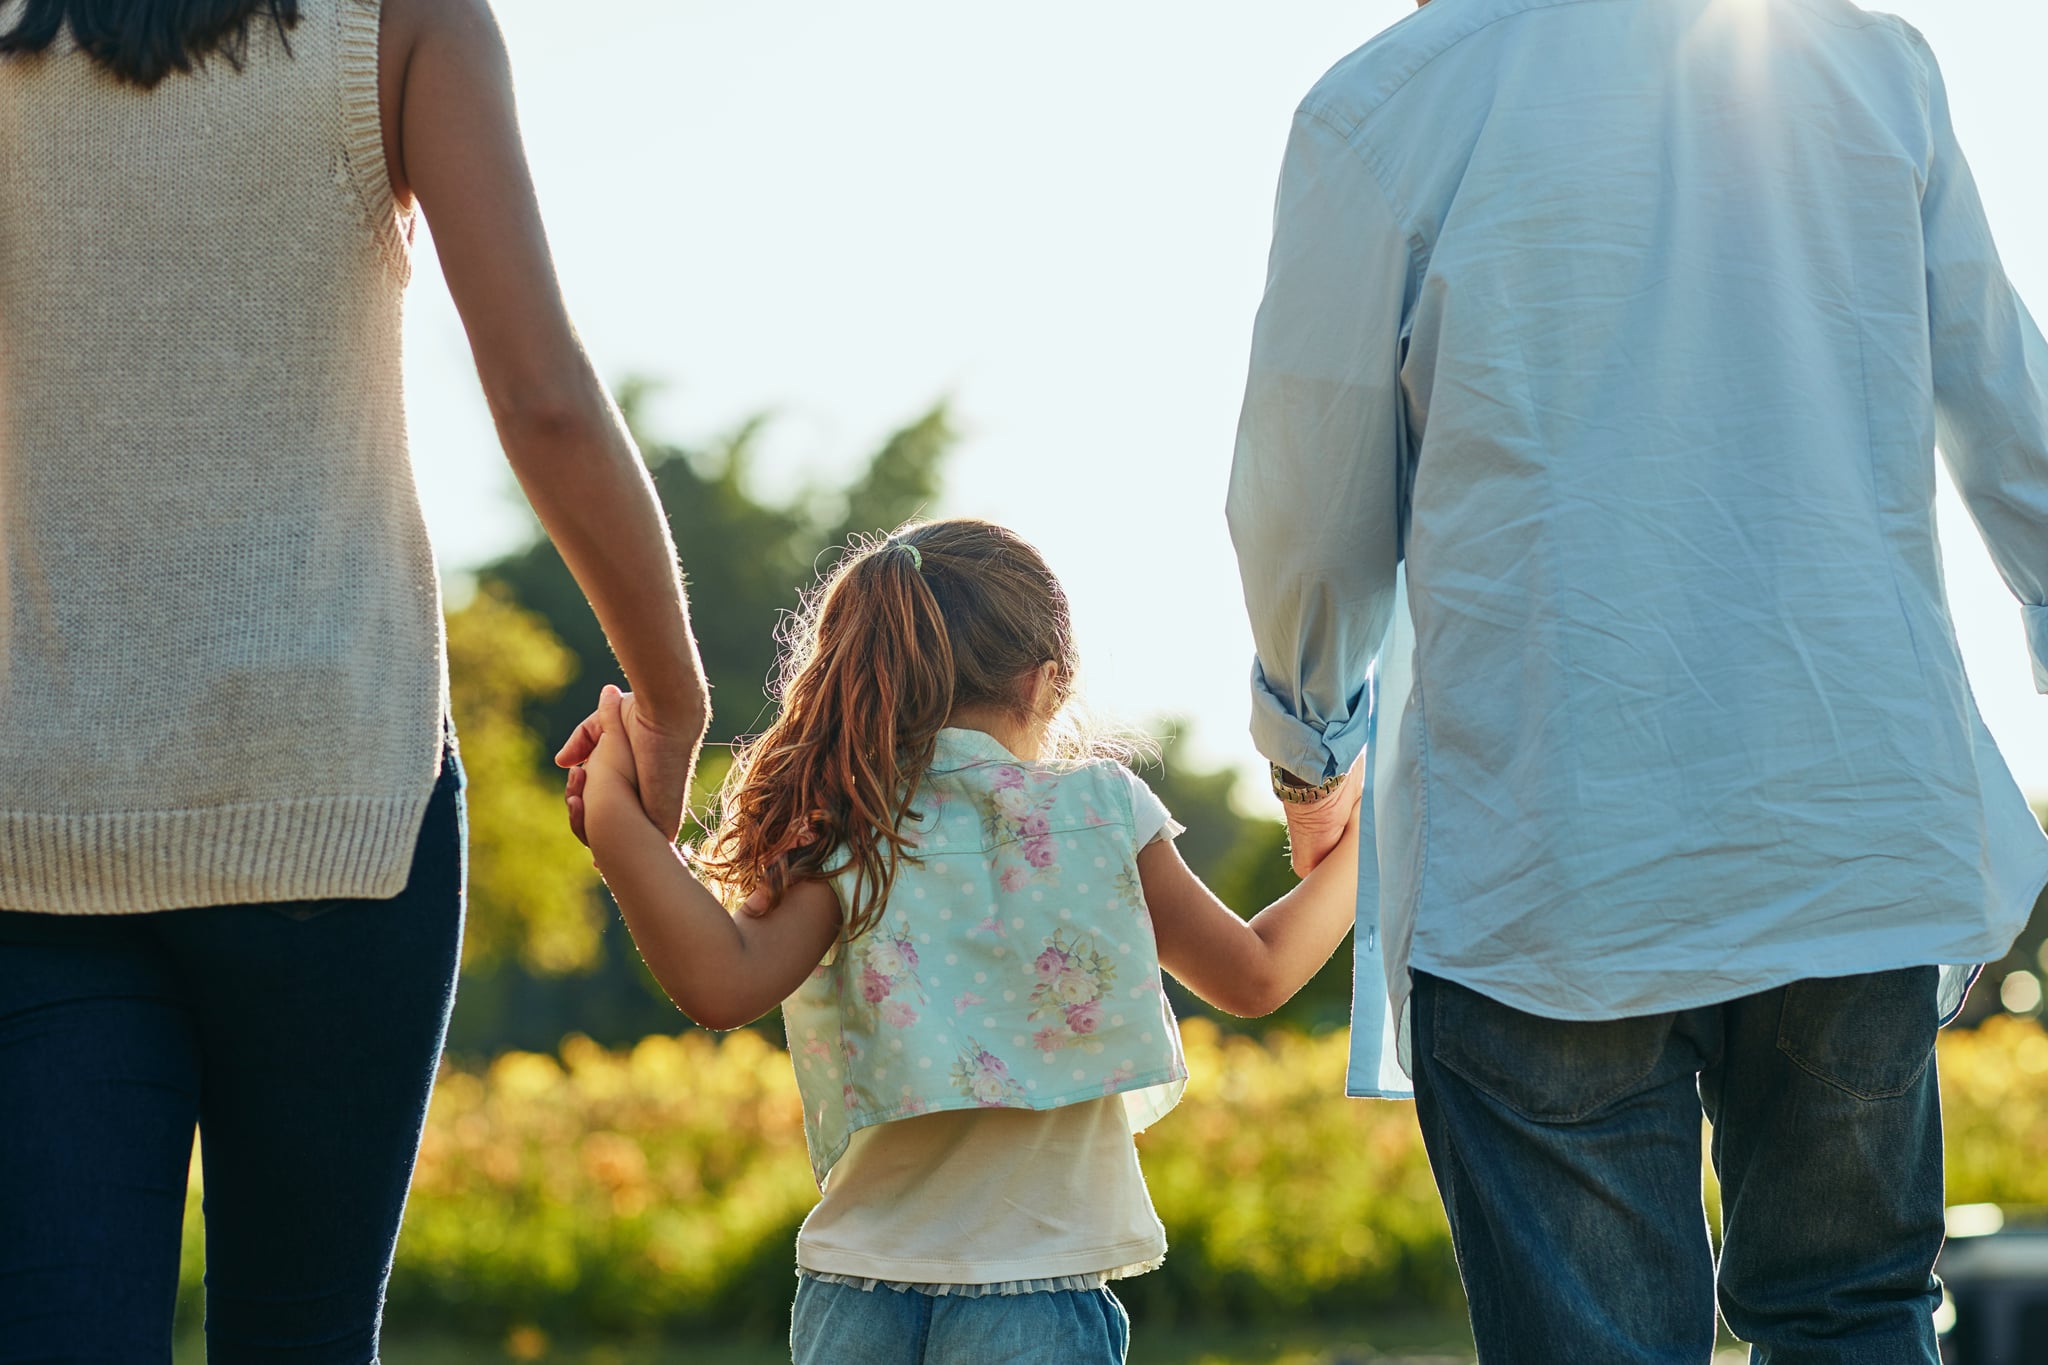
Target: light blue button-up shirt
[[1601, 367]]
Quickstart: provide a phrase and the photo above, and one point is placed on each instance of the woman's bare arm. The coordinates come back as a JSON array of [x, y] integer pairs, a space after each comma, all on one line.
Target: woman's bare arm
[[453, 144]]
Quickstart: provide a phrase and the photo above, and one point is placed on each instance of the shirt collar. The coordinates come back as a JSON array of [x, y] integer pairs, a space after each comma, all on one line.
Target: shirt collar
[[957, 748]]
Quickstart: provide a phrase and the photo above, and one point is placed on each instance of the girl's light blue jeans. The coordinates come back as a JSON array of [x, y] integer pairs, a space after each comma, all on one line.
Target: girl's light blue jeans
[[840, 1324]]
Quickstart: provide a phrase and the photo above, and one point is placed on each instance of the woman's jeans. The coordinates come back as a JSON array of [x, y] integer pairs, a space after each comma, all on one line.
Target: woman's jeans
[[302, 1040], [1568, 1157]]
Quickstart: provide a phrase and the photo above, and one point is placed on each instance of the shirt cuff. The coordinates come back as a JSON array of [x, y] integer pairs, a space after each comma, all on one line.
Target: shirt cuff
[[2037, 643], [1310, 752]]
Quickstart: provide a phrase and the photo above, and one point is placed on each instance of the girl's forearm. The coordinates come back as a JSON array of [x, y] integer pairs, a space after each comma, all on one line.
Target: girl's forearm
[[1301, 929], [690, 943]]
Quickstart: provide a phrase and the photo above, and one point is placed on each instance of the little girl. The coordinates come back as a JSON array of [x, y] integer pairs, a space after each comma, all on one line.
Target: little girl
[[964, 915]]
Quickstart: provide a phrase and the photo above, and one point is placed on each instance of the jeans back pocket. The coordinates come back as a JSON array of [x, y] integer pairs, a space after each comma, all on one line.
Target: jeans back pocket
[[1546, 1070], [1870, 1035]]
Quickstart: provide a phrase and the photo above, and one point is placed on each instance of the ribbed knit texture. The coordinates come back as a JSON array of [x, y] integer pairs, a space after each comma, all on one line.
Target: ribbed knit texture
[[221, 668]]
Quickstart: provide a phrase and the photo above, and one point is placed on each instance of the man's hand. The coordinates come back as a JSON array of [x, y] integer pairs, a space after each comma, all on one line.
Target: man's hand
[[664, 759], [1314, 828]]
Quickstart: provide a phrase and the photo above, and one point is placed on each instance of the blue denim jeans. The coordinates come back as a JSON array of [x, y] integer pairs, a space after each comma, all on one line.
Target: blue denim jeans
[[1568, 1158], [840, 1324], [301, 1039]]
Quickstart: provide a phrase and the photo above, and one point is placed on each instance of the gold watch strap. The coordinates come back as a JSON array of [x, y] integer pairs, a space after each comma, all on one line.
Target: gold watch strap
[[1294, 792]]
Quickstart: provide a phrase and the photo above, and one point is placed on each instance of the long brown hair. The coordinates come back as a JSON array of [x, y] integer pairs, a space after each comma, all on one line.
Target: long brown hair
[[144, 43], [898, 634]]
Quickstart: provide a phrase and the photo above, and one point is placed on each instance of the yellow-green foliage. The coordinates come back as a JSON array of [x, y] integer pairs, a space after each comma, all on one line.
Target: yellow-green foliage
[[661, 1187], [1280, 1194], [1994, 1095], [531, 894]]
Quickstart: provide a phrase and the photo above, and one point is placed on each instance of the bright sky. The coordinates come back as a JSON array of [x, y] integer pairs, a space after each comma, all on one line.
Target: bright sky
[[1056, 214]]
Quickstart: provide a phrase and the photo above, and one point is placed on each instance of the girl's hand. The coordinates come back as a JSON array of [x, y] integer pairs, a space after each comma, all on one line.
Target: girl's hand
[[610, 773]]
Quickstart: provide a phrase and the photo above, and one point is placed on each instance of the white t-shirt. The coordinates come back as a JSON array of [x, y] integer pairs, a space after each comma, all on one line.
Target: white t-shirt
[[987, 1197]]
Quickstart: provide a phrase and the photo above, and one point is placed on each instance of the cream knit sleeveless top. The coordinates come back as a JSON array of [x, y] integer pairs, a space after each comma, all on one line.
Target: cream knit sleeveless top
[[221, 664]]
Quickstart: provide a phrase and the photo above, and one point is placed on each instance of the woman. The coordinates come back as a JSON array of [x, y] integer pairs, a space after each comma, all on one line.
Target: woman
[[231, 847]]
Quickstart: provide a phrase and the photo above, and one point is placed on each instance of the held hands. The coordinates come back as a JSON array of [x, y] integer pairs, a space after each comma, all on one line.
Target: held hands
[[1316, 828], [659, 759], [608, 771]]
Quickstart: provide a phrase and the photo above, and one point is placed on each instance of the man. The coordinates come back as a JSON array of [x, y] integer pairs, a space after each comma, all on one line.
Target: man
[[1626, 330]]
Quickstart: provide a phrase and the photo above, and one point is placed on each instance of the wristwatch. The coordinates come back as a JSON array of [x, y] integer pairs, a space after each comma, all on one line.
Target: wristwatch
[[1295, 792]]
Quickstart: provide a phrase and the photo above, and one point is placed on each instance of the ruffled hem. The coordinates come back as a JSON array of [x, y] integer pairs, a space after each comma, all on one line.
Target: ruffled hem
[[1057, 1284], [362, 113]]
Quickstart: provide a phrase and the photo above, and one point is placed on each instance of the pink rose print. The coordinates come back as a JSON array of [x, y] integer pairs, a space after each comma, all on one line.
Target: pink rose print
[[888, 976], [1074, 979], [1016, 819], [984, 1078], [965, 1001], [991, 925], [1118, 1078]]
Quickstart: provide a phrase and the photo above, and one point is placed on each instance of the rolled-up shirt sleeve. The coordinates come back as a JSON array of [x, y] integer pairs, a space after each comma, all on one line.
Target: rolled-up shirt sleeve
[[1990, 377], [1314, 502]]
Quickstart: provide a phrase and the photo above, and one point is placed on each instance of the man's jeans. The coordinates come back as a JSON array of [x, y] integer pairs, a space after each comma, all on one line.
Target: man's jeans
[[1568, 1157]]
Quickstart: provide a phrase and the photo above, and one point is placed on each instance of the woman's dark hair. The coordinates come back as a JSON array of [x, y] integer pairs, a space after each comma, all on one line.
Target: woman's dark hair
[[143, 41]]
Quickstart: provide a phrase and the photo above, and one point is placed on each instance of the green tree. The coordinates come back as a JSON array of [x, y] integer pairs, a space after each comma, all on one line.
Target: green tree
[[530, 888], [748, 554]]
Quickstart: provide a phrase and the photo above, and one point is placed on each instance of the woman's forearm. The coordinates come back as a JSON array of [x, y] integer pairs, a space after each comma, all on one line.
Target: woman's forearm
[[584, 476]]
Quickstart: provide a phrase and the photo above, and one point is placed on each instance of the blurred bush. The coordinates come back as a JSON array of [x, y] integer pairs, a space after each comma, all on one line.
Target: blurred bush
[[658, 1189], [1994, 1096]]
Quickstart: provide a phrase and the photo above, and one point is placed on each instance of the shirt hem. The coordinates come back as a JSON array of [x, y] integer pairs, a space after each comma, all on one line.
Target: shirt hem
[[1514, 996], [1123, 1259], [1173, 1075], [142, 862]]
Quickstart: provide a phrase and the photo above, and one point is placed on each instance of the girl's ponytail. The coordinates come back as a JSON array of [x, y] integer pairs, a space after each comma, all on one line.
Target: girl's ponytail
[[902, 631], [863, 701]]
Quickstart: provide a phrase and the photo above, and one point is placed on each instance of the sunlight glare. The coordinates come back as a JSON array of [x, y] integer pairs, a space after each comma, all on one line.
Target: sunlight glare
[[1743, 26]]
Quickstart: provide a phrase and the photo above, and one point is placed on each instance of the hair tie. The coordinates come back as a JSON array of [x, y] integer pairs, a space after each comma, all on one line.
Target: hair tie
[[916, 555]]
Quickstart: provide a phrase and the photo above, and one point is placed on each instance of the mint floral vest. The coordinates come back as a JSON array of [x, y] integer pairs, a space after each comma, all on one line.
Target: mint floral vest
[[1014, 966]]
